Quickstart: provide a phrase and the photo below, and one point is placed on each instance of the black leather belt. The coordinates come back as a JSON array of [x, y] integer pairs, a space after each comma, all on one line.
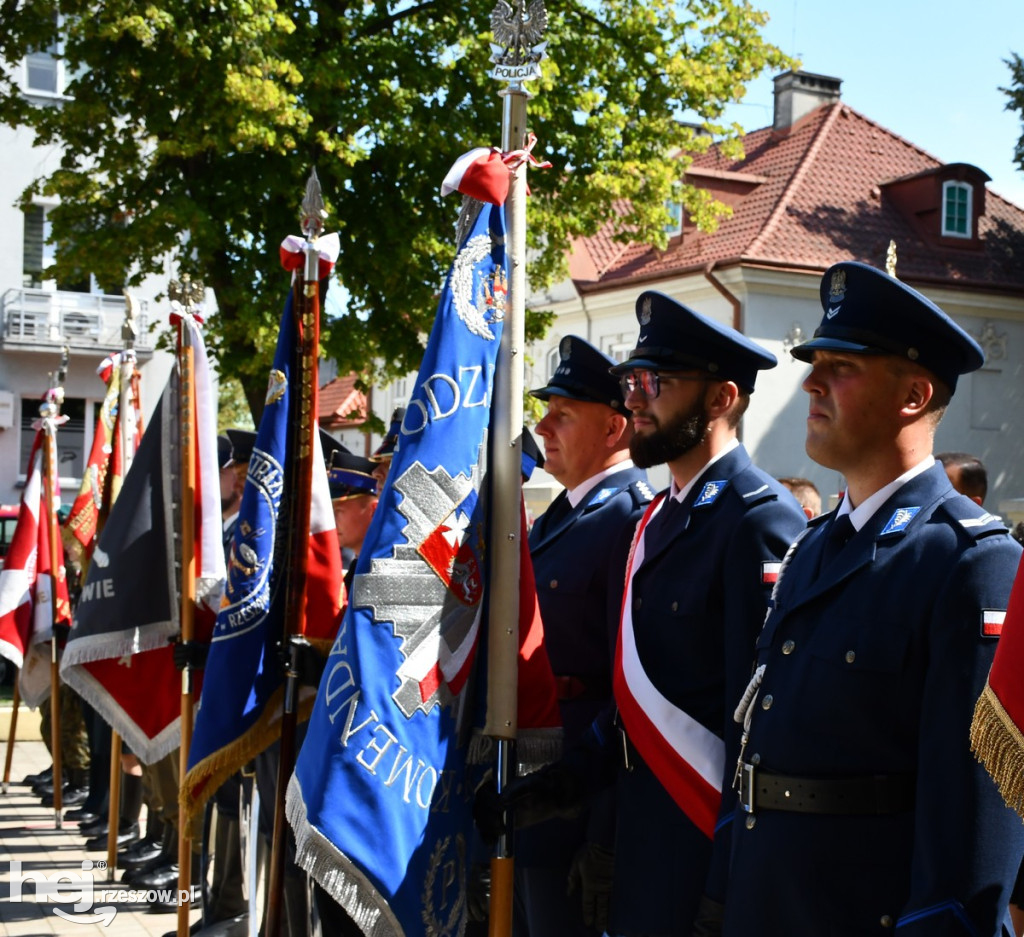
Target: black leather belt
[[876, 794]]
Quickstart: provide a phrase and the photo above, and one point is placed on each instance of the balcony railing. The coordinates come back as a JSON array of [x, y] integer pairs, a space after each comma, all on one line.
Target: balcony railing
[[52, 317]]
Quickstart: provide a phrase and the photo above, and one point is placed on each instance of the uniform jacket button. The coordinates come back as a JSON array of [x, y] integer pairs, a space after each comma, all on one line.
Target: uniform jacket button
[[886, 920], [554, 583], [851, 656], [788, 646], [766, 703], [675, 606], [750, 821]]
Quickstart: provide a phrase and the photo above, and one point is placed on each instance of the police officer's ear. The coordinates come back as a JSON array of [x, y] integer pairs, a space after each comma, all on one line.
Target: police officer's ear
[[917, 394], [720, 398], [617, 430]]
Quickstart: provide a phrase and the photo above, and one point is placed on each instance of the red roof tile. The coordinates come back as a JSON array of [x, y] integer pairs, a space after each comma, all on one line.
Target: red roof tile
[[341, 405], [811, 197]]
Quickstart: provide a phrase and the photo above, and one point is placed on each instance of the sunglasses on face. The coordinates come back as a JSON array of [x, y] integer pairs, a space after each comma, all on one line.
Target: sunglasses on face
[[649, 382]]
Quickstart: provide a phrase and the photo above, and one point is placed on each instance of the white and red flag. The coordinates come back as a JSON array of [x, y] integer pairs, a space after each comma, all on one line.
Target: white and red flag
[[27, 583], [118, 656]]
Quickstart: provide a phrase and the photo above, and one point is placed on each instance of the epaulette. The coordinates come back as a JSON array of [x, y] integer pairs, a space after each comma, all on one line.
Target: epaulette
[[818, 520], [642, 492], [753, 487], [975, 521]]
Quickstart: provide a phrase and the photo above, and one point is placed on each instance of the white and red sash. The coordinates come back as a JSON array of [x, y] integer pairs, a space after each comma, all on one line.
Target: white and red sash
[[687, 758]]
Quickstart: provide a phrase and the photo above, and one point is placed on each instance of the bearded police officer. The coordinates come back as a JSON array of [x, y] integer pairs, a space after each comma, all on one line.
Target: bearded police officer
[[862, 810], [703, 565], [700, 575], [579, 547]]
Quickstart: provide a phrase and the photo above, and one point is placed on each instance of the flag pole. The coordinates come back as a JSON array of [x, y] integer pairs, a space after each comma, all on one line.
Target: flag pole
[[126, 445], [15, 703], [187, 293], [516, 56], [302, 425], [50, 411]]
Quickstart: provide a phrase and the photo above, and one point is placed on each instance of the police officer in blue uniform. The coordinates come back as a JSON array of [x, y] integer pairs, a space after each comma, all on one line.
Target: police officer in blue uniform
[[578, 547], [862, 810], [699, 580], [702, 571]]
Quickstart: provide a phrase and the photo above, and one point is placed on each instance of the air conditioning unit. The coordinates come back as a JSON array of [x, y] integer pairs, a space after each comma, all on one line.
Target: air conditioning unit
[[6, 409]]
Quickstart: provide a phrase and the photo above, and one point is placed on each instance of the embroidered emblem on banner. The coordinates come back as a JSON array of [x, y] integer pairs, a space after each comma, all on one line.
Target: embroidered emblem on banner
[[430, 588]]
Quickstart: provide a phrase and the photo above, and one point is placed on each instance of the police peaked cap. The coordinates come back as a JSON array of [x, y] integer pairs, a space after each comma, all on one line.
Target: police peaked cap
[[242, 441], [387, 447], [583, 374], [329, 445], [868, 312], [674, 337], [349, 475], [223, 452]]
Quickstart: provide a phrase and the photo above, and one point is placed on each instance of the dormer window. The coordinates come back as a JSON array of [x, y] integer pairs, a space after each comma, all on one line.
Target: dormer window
[[675, 210], [956, 209]]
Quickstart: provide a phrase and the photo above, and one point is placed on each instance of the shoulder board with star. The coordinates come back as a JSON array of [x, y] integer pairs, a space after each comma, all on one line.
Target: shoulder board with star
[[975, 521]]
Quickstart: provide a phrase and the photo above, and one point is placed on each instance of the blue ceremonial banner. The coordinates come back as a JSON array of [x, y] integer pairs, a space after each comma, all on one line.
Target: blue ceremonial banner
[[241, 704], [379, 802]]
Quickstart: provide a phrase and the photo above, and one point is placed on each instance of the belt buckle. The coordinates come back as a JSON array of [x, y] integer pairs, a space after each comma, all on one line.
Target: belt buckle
[[747, 788]]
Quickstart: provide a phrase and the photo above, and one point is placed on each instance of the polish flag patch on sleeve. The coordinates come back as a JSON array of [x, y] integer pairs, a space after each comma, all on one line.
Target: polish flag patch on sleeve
[[770, 573], [992, 622]]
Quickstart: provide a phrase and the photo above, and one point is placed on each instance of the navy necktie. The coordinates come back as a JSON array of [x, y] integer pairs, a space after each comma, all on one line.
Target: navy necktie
[[839, 534], [663, 527], [558, 511]]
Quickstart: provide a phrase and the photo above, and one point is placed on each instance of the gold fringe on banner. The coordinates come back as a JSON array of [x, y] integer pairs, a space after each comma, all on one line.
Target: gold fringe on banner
[[998, 744]]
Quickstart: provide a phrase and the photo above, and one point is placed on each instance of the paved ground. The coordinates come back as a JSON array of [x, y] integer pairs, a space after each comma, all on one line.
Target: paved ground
[[28, 834]]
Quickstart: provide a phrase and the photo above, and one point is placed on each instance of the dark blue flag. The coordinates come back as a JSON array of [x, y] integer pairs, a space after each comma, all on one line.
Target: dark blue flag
[[241, 707], [379, 801]]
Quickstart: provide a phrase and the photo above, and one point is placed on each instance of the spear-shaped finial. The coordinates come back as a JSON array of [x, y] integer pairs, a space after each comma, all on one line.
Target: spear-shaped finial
[[313, 212], [130, 327], [890, 259], [58, 377]]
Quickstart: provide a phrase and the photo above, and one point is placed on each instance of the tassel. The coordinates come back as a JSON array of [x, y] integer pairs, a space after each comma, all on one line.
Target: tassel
[[998, 744]]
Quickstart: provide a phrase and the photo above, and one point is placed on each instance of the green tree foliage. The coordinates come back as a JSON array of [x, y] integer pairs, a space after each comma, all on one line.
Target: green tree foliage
[[191, 128], [1016, 103]]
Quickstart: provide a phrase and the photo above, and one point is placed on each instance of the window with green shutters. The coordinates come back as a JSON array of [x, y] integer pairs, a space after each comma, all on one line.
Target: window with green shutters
[[956, 209]]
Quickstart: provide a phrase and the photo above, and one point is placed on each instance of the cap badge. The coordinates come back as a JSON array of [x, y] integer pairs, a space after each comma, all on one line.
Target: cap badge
[[645, 311], [565, 349], [836, 292]]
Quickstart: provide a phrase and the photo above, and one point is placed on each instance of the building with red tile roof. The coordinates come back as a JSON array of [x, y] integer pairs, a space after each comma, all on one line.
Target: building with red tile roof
[[824, 183]]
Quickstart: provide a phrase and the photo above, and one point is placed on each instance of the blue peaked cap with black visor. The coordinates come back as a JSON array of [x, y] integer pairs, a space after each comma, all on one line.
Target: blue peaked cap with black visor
[[869, 312], [674, 337], [583, 373]]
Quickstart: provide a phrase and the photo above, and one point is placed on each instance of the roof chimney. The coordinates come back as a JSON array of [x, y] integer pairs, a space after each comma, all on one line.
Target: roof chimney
[[799, 93]]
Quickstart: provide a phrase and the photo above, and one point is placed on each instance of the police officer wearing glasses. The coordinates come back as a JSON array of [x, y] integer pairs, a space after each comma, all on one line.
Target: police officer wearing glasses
[[700, 576], [861, 808]]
